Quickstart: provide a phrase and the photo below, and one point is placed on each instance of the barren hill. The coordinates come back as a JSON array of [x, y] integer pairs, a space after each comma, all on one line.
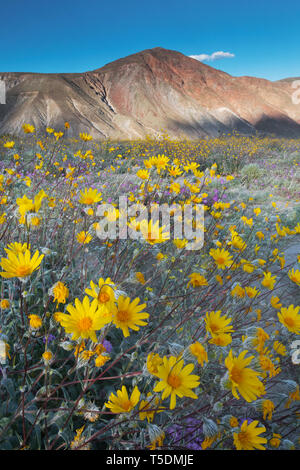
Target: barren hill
[[146, 92]]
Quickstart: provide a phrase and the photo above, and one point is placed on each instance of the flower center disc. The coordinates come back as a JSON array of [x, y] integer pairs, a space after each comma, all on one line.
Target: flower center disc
[[89, 200], [289, 321], [151, 237], [214, 327], [123, 315], [174, 381], [243, 437], [236, 375], [23, 271], [126, 405], [85, 324], [103, 297]]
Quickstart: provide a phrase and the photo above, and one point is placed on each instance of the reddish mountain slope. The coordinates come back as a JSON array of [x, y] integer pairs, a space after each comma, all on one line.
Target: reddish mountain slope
[[149, 91]]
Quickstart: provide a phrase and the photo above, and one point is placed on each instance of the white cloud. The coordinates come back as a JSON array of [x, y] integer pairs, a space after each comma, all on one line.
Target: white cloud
[[214, 56]]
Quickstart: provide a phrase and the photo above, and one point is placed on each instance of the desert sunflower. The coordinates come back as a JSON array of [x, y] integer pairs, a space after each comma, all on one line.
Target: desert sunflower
[[89, 196], [28, 205], [84, 237], [143, 174], [153, 361], [60, 292], [268, 407], [17, 247], [242, 378], [28, 128], [197, 350], [35, 321], [84, 319], [9, 145], [294, 276], [222, 258], [20, 264], [290, 318], [129, 315], [121, 403], [161, 162], [197, 280], [268, 280], [85, 136], [105, 295], [153, 233], [176, 380], [174, 171], [149, 407], [222, 339], [4, 304], [248, 438], [217, 323]]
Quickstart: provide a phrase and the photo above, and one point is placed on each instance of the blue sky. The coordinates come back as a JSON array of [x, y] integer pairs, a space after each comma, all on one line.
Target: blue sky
[[77, 35]]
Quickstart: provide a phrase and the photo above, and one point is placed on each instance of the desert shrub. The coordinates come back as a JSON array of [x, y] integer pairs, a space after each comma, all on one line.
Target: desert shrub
[[251, 172]]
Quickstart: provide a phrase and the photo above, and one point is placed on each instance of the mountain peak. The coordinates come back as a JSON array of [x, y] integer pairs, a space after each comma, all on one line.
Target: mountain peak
[[159, 54]]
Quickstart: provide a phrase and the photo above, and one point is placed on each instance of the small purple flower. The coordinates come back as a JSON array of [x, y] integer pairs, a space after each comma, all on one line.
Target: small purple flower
[[48, 339], [107, 345], [188, 434]]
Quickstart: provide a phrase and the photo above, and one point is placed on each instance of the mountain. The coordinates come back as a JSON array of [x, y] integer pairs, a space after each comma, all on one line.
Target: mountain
[[146, 92]]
